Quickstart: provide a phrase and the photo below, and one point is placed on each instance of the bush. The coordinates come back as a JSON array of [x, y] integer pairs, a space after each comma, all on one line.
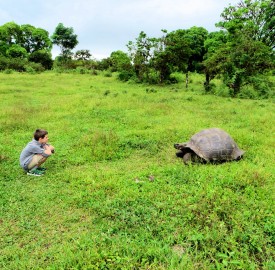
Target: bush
[[32, 67], [107, 73], [8, 71], [176, 77], [125, 75], [17, 64], [153, 77], [263, 86], [64, 63], [94, 72], [16, 51], [3, 62], [81, 70], [259, 87], [248, 92], [222, 91], [42, 57]]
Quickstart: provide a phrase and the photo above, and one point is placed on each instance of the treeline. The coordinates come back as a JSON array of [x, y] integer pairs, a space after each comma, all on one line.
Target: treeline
[[241, 53]]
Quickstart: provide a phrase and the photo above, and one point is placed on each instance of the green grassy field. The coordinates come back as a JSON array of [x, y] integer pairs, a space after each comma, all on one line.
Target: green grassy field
[[114, 195]]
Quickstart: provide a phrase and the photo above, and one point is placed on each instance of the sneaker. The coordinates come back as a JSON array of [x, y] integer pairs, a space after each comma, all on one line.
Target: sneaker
[[41, 169], [35, 173]]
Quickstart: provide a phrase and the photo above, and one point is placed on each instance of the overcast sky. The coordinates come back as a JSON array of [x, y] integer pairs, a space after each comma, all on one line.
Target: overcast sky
[[104, 26]]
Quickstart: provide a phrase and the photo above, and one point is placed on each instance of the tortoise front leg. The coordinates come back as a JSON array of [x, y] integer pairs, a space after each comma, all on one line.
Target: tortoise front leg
[[187, 158]]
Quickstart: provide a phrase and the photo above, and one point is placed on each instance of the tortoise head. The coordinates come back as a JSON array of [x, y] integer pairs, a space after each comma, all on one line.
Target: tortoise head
[[180, 146]]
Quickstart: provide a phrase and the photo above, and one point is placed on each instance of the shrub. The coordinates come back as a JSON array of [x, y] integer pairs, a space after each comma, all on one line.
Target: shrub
[[12, 63], [64, 63], [32, 67], [210, 88], [16, 51], [94, 72], [107, 73], [3, 62], [222, 90], [17, 64], [125, 75], [176, 77], [42, 57], [248, 92], [263, 86], [8, 71], [81, 70], [153, 77]]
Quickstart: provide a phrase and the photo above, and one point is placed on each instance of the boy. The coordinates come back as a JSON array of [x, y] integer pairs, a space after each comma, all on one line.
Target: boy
[[36, 153]]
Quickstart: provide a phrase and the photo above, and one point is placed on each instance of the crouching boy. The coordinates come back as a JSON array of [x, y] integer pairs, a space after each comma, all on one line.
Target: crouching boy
[[36, 153]]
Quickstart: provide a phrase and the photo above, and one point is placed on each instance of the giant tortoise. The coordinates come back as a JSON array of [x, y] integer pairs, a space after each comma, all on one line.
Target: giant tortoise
[[209, 145]]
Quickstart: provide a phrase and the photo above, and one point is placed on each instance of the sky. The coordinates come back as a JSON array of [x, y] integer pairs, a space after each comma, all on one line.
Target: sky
[[104, 26]]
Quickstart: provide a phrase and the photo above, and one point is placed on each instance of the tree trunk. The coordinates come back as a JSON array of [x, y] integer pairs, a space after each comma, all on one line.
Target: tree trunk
[[207, 82]]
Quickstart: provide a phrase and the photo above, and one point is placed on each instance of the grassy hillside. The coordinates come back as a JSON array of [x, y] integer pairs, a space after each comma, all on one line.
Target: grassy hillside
[[114, 195]]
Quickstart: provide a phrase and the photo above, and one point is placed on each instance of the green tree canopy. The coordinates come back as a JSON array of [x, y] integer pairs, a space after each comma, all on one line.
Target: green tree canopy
[[254, 18], [10, 33], [65, 38], [120, 61], [16, 51], [196, 37], [82, 55], [246, 49], [27, 36], [35, 39], [25, 42], [141, 51], [43, 57]]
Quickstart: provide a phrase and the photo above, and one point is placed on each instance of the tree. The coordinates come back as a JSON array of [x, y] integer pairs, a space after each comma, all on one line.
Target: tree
[[196, 37], [269, 26], [186, 47], [65, 38], [172, 54], [120, 61], [240, 63], [104, 63], [16, 51], [35, 39], [26, 41], [247, 50], [154, 59], [140, 53], [43, 57], [214, 47], [82, 55], [10, 34], [255, 18]]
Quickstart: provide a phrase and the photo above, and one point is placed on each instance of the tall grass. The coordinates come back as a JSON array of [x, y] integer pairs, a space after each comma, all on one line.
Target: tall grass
[[114, 195]]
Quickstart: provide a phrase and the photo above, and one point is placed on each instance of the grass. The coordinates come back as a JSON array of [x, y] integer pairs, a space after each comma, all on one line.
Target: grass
[[114, 195]]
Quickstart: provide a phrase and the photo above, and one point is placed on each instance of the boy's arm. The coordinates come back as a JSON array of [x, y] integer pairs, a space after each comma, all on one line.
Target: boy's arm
[[34, 149], [51, 147], [48, 149]]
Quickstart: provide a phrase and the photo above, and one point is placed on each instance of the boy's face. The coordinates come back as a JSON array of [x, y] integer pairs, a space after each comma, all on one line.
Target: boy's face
[[44, 140]]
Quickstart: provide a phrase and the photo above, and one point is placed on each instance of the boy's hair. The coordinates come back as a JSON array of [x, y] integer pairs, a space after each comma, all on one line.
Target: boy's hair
[[40, 133]]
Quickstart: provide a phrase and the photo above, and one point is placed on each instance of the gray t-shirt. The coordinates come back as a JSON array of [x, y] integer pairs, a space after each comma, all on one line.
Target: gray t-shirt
[[34, 147]]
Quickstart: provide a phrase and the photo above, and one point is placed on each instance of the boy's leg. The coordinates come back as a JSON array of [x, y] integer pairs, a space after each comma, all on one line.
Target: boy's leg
[[36, 161]]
